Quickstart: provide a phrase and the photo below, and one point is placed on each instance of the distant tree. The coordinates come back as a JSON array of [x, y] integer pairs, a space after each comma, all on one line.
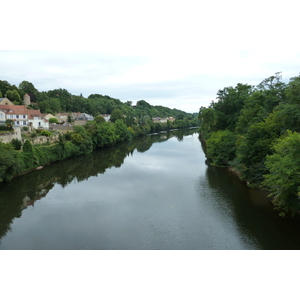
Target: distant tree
[[116, 115], [180, 117]]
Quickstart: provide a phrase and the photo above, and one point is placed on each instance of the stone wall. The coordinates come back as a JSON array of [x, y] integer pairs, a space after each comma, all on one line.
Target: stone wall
[[7, 137]]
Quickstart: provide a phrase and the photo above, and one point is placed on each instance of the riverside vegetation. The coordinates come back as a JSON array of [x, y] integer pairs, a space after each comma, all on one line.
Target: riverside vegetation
[[126, 123], [255, 130]]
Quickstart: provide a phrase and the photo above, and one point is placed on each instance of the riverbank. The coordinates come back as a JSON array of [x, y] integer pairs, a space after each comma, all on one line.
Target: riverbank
[[82, 140]]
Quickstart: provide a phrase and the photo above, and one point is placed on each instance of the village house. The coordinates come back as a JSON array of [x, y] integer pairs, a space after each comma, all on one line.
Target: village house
[[48, 116], [23, 116], [106, 117], [83, 117], [162, 120], [5, 101]]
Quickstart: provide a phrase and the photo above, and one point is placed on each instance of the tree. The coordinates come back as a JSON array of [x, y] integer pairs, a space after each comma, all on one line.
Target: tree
[[209, 120], [16, 143], [53, 120], [28, 88], [14, 96], [70, 119], [116, 115], [254, 146], [221, 147], [121, 130], [4, 86], [99, 119], [9, 163], [293, 90], [274, 91], [9, 124], [284, 171]]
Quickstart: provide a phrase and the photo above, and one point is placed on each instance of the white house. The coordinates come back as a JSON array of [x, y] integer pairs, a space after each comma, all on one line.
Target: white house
[[23, 116]]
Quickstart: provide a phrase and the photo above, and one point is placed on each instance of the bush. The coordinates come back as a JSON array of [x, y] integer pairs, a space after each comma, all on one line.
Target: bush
[[46, 133], [16, 143]]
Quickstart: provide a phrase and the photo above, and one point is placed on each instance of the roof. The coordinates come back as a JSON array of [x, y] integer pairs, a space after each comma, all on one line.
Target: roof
[[14, 109], [20, 110]]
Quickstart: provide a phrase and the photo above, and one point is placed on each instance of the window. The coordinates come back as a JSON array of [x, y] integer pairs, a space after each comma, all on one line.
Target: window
[[1, 116], [24, 116], [18, 122], [17, 116], [24, 122]]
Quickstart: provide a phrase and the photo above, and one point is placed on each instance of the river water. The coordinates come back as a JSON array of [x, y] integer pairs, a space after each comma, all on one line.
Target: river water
[[154, 193]]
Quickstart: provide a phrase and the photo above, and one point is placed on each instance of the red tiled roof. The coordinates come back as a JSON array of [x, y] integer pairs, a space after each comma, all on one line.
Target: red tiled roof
[[14, 109]]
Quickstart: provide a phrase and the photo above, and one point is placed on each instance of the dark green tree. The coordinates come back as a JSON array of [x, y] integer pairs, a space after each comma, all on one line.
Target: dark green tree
[[28, 88], [16, 143], [117, 114]]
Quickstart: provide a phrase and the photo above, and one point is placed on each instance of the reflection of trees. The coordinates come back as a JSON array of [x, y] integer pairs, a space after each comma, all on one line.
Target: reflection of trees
[[252, 211], [25, 190]]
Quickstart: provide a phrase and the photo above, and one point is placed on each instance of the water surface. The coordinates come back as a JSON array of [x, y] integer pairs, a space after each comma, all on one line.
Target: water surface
[[154, 193]]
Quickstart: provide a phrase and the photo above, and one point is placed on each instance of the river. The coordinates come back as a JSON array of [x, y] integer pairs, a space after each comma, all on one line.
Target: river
[[153, 193]]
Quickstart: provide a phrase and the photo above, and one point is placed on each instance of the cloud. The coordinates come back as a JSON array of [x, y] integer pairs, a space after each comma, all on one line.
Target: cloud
[[177, 53]]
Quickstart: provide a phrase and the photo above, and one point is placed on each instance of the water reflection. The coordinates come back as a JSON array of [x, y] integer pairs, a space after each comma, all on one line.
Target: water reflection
[[253, 212], [24, 191], [145, 194]]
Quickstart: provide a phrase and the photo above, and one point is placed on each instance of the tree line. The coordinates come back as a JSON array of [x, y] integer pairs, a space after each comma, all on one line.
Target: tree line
[[61, 100], [255, 130]]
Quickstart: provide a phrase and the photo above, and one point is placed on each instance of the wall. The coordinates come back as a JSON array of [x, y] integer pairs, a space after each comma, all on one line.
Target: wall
[[6, 138]]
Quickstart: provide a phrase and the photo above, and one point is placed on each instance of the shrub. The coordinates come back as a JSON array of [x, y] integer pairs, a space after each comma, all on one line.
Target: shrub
[[46, 133], [16, 143]]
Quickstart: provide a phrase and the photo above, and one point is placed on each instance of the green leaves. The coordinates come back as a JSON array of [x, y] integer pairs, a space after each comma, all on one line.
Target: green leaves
[[221, 147], [283, 179]]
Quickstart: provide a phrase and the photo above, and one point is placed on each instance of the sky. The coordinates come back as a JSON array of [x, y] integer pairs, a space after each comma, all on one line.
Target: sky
[[172, 53]]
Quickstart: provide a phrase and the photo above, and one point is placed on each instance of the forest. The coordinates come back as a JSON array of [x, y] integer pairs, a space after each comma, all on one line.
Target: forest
[[255, 131]]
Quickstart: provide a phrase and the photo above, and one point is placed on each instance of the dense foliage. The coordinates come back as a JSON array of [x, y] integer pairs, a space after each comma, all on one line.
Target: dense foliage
[[256, 131]]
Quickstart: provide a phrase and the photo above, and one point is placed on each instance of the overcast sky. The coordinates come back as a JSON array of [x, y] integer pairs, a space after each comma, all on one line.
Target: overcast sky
[[172, 53]]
